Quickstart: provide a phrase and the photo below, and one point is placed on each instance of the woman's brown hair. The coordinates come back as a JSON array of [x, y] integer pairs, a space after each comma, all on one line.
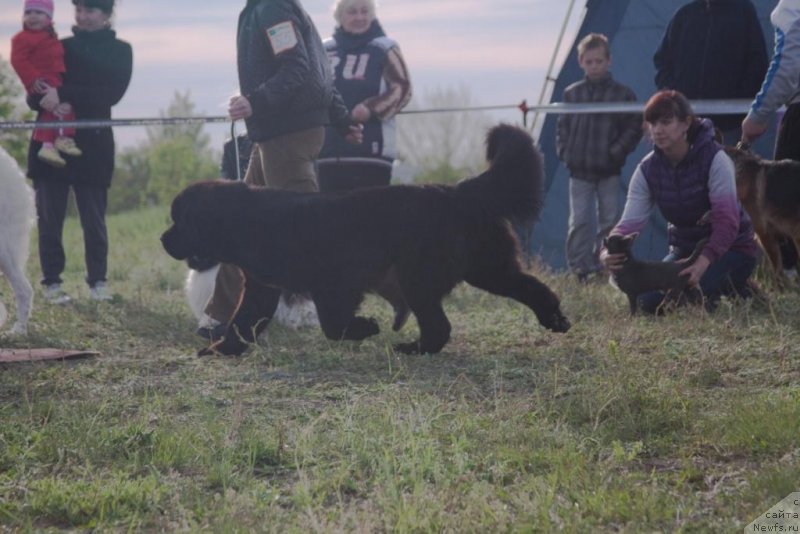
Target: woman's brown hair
[[667, 105]]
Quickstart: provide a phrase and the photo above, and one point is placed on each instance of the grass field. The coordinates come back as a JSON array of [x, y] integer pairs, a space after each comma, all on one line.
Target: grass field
[[688, 423]]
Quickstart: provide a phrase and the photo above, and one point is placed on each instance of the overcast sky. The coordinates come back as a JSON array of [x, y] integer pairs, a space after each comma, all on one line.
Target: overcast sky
[[498, 49]]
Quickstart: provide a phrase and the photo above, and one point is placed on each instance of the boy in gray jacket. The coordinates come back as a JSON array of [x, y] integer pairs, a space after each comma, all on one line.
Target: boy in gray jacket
[[594, 147]]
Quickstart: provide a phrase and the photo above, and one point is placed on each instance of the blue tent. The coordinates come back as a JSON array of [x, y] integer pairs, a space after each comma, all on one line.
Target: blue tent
[[634, 29]]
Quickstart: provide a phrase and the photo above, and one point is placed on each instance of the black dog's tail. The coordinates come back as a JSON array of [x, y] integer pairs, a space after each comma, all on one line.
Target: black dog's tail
[[513, 186]]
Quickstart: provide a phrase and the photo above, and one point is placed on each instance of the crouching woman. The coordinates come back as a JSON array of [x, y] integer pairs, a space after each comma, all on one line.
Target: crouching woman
[[691, 180]]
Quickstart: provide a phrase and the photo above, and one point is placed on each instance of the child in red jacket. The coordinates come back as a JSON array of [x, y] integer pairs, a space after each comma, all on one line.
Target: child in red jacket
[[38, 58]]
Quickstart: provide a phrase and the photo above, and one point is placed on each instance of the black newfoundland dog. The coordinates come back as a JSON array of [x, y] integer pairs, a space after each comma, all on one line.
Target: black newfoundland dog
[[337, 247]]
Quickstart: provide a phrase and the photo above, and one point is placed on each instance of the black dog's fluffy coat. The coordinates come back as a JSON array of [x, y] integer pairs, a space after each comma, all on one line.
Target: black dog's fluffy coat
[[336, 247], [636, 277]]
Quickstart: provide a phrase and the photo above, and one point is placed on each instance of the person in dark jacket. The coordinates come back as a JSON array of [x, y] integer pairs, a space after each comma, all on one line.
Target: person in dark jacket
[[594, 148], [691, 180], [713, 49], [286, 99], [372, 77], [98, 71]]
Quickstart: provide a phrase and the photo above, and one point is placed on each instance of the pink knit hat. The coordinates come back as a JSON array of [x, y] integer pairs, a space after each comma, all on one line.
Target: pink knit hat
[[45, 6]]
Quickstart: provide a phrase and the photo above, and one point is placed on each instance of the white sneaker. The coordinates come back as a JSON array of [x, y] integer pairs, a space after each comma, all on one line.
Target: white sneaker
[[67, 146], [55, 295], [100, 291], [297, 313], [50, 155]]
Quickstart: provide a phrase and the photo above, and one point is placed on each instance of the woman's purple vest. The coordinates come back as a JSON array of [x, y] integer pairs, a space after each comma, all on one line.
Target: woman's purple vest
[[682, 193]]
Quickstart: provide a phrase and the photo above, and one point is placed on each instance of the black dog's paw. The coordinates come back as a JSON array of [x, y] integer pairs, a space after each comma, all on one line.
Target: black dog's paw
[[224, 348], [360, 328], [558, 323], [417, 347], [408, 348], [555, 321]]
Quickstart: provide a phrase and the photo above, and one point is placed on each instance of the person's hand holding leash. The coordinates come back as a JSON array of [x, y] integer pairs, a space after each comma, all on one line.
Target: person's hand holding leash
[[239, 108], [752, 130], [360, 113], [355, 135]]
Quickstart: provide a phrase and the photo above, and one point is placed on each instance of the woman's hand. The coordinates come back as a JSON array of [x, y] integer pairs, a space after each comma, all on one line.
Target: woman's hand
[[239, 108], [50, 99], [696, 270], [613, 262], [360, 113], [40, 86], [63, 109]]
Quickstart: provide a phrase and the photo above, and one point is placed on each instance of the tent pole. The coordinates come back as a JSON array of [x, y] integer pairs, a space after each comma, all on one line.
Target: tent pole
[[549, 76]]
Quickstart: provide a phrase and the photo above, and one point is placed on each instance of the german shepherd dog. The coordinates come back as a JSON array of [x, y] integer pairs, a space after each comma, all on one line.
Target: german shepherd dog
[[637, 277], [770, 192]]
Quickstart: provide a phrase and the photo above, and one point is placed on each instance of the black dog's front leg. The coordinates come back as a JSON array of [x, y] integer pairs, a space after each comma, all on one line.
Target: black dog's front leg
[[633, 302], [336, 309], [256, 307], [434, 327]]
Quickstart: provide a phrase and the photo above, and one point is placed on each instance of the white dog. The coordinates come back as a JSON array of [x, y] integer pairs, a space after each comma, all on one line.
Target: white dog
[[17, 216], [200, 287]]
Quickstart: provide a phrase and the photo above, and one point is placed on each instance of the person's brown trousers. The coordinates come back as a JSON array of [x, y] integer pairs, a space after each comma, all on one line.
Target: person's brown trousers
[[286, 162]]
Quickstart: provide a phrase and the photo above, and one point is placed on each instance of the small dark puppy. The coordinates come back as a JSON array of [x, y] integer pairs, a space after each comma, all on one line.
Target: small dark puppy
[[637, 276]]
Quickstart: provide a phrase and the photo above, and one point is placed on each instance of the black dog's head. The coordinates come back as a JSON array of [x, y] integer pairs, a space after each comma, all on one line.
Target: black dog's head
[[619, 244], [195, 213]]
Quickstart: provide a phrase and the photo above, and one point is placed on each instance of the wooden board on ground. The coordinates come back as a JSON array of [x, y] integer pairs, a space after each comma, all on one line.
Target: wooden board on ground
[[36, 355]]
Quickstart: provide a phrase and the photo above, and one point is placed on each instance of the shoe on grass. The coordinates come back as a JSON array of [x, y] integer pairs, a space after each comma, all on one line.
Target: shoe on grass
[[100, 291], [54, 294], [50, 155], [211, 333], [67, 146]]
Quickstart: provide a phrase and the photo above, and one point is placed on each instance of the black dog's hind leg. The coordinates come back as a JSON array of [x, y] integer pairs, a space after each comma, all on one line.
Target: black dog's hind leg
[[434, 328], [524, 288], [336, 311], [256, 308], [389, 289]]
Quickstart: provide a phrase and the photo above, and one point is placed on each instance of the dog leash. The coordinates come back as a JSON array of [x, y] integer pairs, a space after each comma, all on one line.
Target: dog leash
[[236, 152]]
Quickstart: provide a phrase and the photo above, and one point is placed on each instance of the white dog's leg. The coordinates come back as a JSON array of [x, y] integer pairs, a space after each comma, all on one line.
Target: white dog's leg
[[23, 293], [199, 288]]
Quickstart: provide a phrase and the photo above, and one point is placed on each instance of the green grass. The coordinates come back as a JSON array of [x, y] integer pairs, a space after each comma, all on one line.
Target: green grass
[[687, 423]]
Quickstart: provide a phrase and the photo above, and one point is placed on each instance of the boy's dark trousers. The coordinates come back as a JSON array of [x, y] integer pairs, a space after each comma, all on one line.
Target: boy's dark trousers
[[51, 208]]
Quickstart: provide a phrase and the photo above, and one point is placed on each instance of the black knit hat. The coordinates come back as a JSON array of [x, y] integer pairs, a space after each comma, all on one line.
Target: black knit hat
[[106, 6]]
